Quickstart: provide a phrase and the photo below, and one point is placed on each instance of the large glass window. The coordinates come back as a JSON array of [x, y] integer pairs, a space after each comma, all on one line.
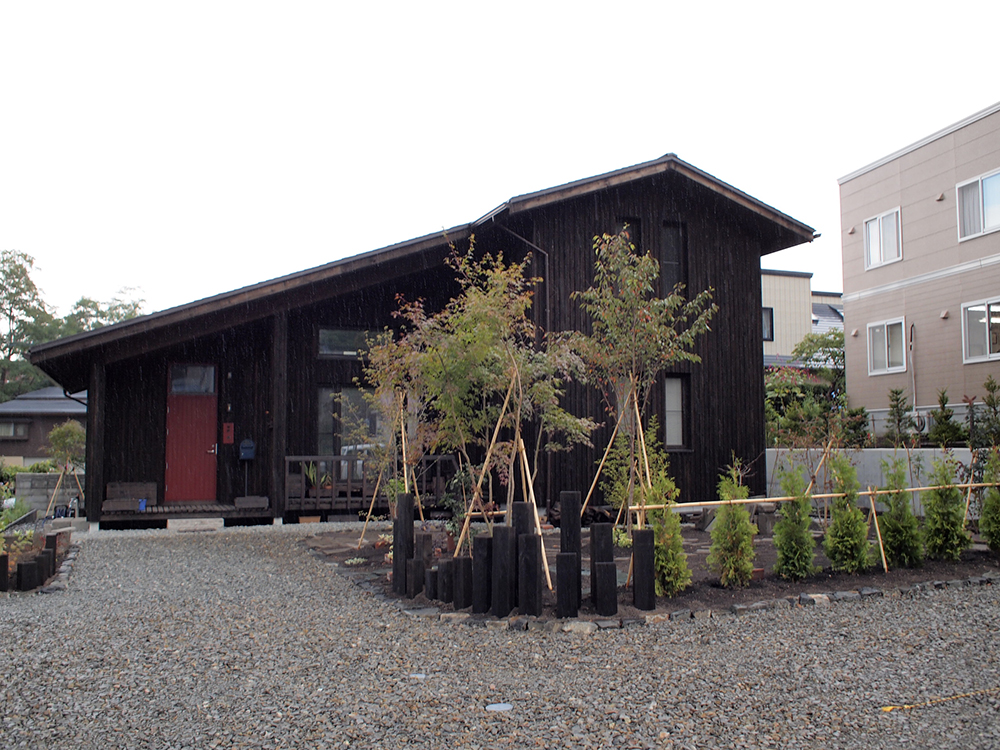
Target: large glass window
[[886, 347], [979, 206], [882, 239], [981, 324]]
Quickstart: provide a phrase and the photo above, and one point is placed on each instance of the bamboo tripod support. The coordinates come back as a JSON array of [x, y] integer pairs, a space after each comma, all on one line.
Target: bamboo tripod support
[[878, 531], [59, 481]]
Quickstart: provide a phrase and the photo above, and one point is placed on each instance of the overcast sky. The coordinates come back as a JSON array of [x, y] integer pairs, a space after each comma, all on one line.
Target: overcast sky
[[190, 148]]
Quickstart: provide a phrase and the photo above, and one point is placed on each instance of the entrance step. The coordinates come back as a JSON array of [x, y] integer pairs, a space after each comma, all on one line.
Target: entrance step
[[195, 524]]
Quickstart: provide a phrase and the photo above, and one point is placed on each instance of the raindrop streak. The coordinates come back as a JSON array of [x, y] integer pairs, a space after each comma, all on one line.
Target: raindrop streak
[[499, 707]]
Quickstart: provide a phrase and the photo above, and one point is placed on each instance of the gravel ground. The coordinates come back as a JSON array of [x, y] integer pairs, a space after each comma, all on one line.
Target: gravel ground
[[246, 639]]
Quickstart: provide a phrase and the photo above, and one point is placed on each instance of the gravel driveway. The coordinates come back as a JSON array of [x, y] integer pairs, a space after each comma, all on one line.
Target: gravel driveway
[[245, 639]]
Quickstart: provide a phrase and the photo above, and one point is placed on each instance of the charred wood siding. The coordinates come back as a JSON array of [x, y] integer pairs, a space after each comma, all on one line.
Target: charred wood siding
[[725, 391]]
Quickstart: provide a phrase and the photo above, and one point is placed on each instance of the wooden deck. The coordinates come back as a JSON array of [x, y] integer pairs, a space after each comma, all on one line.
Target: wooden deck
[[185, 510]]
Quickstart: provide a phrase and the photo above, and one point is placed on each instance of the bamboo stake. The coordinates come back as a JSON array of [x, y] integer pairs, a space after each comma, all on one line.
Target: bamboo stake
[[402, 440], [83, 496], [600, 466], [52, 500], [878, 531], [645, 458], [477, 494], [968, 500], [538, 523], [371, 507]]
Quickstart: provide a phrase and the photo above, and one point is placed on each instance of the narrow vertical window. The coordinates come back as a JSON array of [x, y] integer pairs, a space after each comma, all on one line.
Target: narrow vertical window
[[673, 412], [768, 323], [671, 257]]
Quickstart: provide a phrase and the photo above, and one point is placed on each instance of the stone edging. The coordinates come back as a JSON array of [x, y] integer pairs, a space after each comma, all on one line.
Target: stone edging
[[682, 615]]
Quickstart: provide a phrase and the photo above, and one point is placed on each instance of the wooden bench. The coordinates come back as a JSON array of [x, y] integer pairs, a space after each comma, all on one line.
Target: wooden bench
[[127, 497]]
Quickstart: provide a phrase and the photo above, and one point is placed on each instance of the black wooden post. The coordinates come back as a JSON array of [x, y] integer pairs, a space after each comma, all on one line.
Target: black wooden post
[[571, 534], [414, 577], [601, 551], [402, 541], [605, 583], [26, 574], [46, 560], [523, 521], [643, 570], [4, 563], [462, 582], [567, 583], [423, 546], [446, 591], [482, 573], [504, 561], [431, 583], [529, 587]]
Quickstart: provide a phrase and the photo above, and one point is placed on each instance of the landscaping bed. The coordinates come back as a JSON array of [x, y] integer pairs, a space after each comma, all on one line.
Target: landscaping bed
[[704, 593]]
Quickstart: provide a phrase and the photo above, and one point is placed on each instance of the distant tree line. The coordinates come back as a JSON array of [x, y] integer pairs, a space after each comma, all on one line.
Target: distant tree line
[[26, 320]]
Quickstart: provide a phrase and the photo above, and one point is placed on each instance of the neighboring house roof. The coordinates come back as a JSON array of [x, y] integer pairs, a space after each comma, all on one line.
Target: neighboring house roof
[[45, 402], [922, 142], [67, 360], [827, 317]]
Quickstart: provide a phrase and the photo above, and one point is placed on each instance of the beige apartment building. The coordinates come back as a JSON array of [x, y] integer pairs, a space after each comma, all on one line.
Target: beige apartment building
[[921, 247], [791, 310]]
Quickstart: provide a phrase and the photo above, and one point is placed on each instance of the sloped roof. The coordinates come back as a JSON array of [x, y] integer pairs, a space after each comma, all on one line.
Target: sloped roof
[[45, 401], [62, 358]]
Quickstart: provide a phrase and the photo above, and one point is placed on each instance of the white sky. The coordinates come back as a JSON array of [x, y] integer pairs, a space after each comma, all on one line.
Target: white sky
[[190, 148]]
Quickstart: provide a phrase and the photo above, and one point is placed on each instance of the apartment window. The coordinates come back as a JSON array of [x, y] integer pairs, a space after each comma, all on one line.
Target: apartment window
[[981, 329], [342, 343], [768, 323], [882, 239], [979, 206], [673, 412], [886, 352]]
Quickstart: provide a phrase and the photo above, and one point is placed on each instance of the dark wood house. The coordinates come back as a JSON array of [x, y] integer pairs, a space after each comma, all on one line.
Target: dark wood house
[[173, 395]]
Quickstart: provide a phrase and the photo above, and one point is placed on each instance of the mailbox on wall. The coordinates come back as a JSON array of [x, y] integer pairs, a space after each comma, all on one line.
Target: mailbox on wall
[[247, 450]]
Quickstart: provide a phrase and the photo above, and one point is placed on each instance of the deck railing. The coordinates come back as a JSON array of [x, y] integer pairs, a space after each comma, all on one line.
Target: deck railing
[[345, 484]]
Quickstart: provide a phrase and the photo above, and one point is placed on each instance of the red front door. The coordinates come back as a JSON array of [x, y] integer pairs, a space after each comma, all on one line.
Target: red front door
[[192, 434]]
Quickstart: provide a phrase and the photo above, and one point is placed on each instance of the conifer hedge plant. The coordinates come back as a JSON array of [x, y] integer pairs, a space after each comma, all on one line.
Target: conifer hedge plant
[[901, 536], [732, 554], [945, 536], [846, 541], [793, 543], [989, 518]]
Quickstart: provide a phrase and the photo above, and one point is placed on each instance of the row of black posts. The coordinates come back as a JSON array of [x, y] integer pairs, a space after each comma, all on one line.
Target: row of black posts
[[30, 574], [505, 570]]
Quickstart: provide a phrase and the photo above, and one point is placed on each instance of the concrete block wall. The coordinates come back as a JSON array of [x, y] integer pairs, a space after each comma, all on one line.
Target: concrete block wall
[[35, 490]]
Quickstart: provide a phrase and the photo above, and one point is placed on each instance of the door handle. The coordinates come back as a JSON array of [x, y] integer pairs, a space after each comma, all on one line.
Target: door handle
[[213, 449]]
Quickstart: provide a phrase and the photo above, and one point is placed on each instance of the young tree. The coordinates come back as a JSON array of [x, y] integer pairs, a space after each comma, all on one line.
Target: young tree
[[638, 331], [945, 431], [20, 305], [899, 422]]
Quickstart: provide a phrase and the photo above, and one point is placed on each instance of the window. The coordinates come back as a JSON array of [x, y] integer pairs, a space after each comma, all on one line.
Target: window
[[979, 206], [882, 239], [673, 412], [768, 324], [192, 379], [886, 352], [672, 271], [981, 330], [342, 343], [14, 430]]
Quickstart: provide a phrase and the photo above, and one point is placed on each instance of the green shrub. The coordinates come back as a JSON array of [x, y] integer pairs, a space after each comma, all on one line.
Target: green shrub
[[670, 561], [732, 554], [846, 542], [793, 543], [989, 518], [900, 531], [945, 431], [944, 534]]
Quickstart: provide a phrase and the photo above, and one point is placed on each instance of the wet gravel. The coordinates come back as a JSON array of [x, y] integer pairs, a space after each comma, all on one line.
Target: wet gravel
[[245, 638]]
